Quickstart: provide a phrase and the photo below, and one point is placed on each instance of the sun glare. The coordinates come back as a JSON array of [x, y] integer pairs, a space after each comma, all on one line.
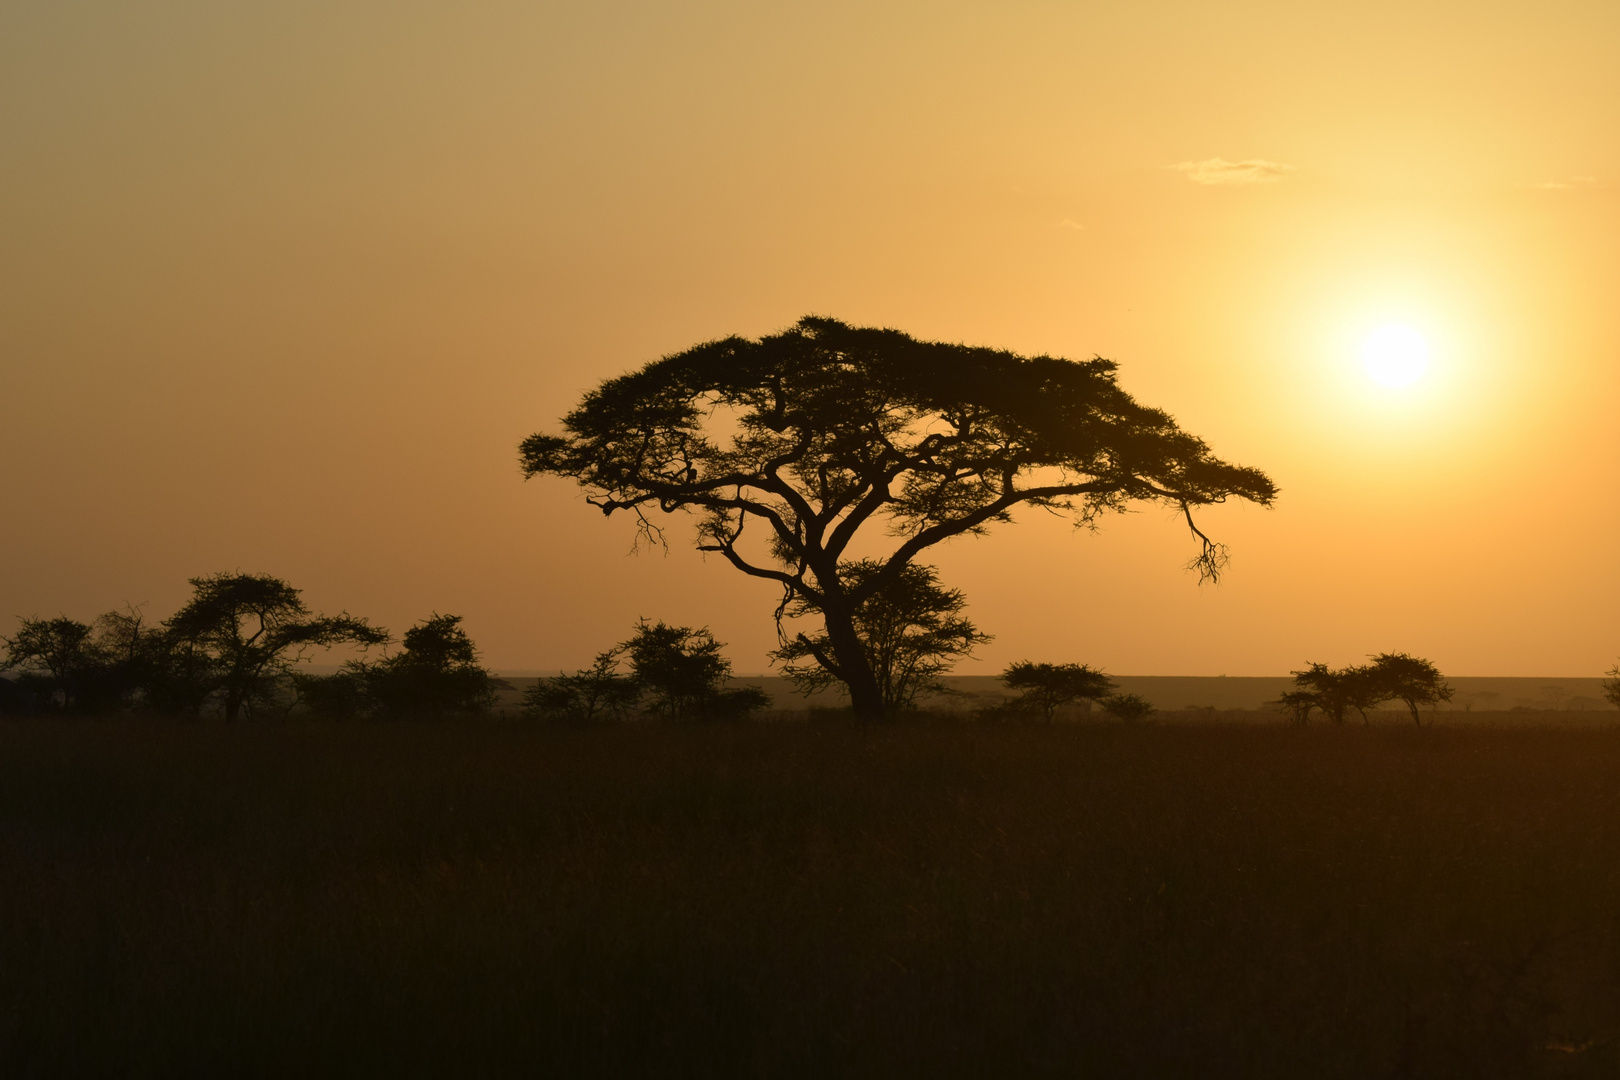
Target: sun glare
[[1395, 356]]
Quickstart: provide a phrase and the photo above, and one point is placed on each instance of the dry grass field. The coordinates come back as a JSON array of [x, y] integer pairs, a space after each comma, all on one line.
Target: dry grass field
[[1160, 900]]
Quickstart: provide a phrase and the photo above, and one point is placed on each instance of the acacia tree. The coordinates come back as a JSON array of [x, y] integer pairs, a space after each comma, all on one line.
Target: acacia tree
[[62, 649], [683, 675], [599, 692], [826, 432], [250, 629], [911, 631], [1048, 687], [1332, 691], [1410, 679], [436, 674], [1611, 686]]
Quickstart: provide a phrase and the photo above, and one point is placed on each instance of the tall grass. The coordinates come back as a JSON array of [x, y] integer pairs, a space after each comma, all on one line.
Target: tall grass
[[808, 900]]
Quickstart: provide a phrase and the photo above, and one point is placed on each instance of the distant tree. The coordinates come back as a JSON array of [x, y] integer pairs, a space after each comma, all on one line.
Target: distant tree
[[436, 674], [1127, 707], [241, 634], [181, 675], [1611, 686], [1048, 687], [1333, 692], [61, 650], [1301, 703], [127, 651], [1398, 676], [910, 628], [599, 692], [683, 676], [819, 433]]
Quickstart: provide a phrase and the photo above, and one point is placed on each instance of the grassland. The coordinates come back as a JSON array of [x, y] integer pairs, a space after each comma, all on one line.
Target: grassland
[[809, 900]]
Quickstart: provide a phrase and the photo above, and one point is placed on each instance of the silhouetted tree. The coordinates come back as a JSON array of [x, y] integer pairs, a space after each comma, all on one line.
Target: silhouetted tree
[[436, 674], [1611, 687], [245, 631], [683, 676], [127, 652], [1321, 687], [1127, 707], [1398, 676], [599, 692], [1049, 687], [60, 651], [181, 674], [818, 432], [910, 628]]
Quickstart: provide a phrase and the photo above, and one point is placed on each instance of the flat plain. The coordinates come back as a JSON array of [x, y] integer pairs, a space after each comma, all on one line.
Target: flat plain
[[809, 899]]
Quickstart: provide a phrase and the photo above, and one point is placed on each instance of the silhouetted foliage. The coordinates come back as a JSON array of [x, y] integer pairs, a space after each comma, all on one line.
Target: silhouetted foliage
[[682, 675], [435, 675], [1611, 686], [343, 695], [240, 635], [1333, 692], [1390, 677], [127, 650], [1045, 688], [819, 431], [599, 692], [1127, 707], [59, 659], [1400, 677], [910, 628]]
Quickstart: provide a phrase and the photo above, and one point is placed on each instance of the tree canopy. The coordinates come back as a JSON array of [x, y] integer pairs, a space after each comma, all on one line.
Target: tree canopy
[[1048, 687], [252, 628], [815, 433], [1390, 677]]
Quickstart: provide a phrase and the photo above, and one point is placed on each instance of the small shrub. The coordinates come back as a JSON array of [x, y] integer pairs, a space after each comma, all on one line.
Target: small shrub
[[1127, 707]]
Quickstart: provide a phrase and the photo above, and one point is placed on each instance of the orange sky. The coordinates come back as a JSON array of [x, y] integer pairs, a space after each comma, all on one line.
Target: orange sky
[[283, 284]]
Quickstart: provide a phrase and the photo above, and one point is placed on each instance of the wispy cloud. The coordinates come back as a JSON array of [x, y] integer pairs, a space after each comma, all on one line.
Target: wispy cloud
[[1574, 183], [1220, 171], [1069, 223]]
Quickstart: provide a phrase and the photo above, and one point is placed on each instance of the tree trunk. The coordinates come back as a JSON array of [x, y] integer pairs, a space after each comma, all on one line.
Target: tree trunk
[[865, 696]]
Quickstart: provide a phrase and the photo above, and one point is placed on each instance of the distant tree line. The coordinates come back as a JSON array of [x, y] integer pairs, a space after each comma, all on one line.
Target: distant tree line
[[234, 650]]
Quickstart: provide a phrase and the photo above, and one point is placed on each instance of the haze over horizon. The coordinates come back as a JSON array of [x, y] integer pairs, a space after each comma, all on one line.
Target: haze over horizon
[[283, 286]]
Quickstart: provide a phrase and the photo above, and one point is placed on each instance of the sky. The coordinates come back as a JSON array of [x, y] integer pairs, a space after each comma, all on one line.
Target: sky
[[282, 286]]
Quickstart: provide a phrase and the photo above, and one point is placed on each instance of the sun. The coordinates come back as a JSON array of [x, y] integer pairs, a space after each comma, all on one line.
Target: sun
[[1395, 356]]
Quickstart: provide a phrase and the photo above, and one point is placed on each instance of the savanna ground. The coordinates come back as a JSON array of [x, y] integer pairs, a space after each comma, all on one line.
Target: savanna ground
[[1159, 900]]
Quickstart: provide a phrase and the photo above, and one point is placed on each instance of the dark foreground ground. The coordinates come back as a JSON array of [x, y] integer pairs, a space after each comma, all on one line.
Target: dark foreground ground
[[805, 900]]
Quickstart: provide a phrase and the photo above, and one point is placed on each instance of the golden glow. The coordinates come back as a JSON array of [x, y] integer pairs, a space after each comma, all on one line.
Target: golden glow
[[1395, 356], [263, 265]]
